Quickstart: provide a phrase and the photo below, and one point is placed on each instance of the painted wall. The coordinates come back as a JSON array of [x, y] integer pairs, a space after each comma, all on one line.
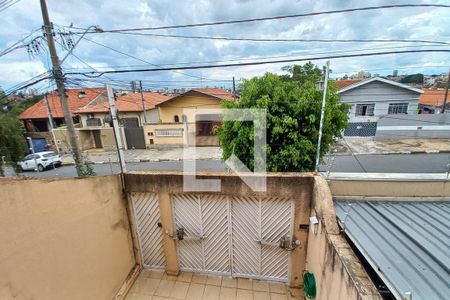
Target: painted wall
[[62, 140], [291, 186], [63, 239], [152, 117], [338, 273], [169, 109], [390, 188], [149, 134], [397, 127], [381, 94]]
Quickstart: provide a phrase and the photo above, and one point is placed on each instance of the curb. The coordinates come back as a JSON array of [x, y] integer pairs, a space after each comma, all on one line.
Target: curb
[[390, 153]]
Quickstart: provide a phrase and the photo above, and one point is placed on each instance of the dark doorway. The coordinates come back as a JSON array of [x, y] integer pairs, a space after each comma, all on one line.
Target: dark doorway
[[135, 137], [97, 138]]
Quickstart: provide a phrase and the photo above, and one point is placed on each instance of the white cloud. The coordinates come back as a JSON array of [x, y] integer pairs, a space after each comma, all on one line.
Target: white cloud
[[406, 23]]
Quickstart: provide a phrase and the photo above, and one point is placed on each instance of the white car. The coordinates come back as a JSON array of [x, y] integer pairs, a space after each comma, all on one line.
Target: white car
[[43, 160]]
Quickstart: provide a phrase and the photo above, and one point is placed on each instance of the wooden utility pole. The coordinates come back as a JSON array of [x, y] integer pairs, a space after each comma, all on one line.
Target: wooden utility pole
[[143, 101], [322, 113], [59, 79], [446, 93]]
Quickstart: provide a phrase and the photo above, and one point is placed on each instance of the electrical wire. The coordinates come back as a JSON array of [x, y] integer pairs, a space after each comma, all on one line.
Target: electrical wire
[[280, 17], [222, 38], [137, 58], [193, 67]]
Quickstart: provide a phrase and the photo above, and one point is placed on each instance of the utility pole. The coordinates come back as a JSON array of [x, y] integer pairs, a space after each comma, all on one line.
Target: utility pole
[[234, 90], [322, 113], [143, 101], [31, 147], [49, 113], [116, 129], [50, 121], [446, 93], [59, 79]]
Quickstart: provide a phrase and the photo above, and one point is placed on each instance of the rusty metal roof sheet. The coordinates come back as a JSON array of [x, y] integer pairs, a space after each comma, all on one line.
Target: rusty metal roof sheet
[[406, 243]]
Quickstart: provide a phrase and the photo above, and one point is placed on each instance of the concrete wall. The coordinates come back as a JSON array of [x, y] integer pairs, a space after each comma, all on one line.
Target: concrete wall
[[85, 139], [395, 127], [390, 188], [381, 94], [63, 239], [150, 134], [292, 186], [337, 270]]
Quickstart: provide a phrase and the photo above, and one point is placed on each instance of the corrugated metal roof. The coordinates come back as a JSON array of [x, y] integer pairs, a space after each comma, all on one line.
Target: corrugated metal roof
[[407, 243]]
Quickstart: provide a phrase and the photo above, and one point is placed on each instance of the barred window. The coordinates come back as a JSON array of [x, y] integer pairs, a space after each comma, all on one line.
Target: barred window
[[398, 108], [364, 109], [168, 132]]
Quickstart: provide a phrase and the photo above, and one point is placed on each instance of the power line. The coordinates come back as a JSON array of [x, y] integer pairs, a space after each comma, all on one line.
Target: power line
[[137, 58], [349, 10], [221, 38], [6, 4], [259, 62], [315, 52]]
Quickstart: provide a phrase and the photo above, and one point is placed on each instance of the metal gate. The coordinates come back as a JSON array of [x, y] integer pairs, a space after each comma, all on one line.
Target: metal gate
[[238, 237], [205, 222], [146, 214], [135, 137]]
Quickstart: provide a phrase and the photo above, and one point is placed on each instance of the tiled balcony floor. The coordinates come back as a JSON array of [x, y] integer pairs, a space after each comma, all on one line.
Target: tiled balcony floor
[[157, 285]]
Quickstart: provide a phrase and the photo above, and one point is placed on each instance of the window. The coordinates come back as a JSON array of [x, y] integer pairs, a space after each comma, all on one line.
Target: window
[[50, 154], [176, 119], [184, 118], [168, 132], [364, 109], [398, 108]]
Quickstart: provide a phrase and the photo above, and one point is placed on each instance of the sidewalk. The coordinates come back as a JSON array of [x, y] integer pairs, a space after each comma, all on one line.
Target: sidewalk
[[146, 155], [407, 146], [357, 146]]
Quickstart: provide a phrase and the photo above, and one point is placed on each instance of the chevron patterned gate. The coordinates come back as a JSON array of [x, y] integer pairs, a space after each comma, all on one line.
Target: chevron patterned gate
[[205, 246], [146, 215], [238, 236]]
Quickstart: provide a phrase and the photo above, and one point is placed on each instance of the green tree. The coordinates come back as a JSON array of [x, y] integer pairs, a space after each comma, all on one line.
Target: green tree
[[293, 106], [13, 145], [414, 78]]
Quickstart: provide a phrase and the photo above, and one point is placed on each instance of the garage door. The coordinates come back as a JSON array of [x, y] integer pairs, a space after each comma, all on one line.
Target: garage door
[[237, 236], [147, 217]]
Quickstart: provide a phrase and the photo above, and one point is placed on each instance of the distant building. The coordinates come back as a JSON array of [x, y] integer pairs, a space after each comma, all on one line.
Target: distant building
[[395, 73], [431, 101], [372, 98]]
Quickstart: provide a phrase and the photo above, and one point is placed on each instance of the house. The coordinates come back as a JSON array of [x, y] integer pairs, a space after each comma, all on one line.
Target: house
[[177, 127], [431, 101], [375, 97], [133, 113], [36, 118]]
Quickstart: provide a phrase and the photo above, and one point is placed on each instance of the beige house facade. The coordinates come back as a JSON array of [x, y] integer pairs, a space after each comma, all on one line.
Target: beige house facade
[[181, 121]]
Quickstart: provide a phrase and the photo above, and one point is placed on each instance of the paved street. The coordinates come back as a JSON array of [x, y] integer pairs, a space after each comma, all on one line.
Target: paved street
[[398, 163]]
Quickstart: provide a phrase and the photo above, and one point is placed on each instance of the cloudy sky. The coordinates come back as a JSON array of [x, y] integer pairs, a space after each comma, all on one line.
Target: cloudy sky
[[24, 17]]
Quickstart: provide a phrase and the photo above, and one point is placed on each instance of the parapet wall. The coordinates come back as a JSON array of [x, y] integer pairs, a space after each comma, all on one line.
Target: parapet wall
[[337, 271], [63, 239]]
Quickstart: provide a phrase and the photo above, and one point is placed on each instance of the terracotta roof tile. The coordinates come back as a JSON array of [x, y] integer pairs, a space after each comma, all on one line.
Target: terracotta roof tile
[[215, 92], [340, 84], [432, 97], [127, 103], [39, 110]]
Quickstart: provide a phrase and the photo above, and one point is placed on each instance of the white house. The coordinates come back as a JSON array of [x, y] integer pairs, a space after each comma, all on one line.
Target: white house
[[375, 97]]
